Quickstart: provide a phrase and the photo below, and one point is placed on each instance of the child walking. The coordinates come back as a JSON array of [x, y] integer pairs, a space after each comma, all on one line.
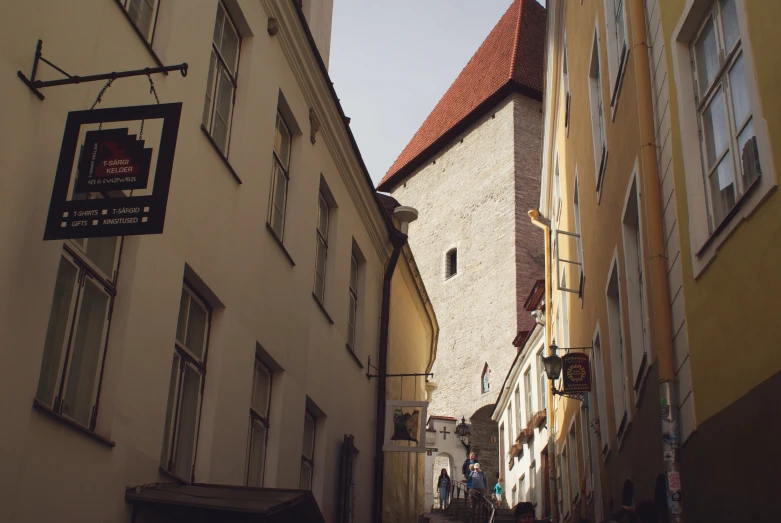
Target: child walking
[[498, 493]]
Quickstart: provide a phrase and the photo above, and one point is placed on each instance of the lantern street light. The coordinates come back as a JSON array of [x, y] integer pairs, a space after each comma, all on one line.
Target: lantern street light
[[463, 433], [553, 364]]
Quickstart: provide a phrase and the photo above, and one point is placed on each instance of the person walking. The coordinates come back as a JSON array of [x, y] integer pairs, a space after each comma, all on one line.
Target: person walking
[[465, 468], [498, 493], [444, 489], [479, 481]]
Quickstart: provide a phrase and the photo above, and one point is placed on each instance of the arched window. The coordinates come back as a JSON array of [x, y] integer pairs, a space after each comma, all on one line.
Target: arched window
[[485, 380], [451, 263]]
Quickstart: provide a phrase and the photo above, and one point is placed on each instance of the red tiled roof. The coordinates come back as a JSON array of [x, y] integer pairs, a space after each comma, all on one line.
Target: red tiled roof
[[511, 56]]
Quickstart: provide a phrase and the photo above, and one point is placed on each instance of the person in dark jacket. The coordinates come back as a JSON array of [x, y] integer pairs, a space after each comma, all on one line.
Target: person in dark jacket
[[524, 513], [471, 460], [443, 484]]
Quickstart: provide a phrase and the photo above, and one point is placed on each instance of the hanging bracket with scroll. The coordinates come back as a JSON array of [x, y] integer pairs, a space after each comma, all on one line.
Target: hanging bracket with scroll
[[34, 85]]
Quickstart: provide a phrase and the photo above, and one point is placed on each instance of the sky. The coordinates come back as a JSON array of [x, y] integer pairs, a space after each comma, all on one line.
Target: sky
[[391, 62]]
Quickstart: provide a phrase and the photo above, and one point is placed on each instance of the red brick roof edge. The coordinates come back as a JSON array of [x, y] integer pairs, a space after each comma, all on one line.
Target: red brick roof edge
[[509, 60]]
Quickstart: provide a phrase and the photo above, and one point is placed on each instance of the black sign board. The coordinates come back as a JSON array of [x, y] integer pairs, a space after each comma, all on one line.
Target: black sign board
[[111, 161], [576, 373]]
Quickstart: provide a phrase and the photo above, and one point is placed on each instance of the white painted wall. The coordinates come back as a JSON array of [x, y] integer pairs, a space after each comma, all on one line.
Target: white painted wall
[[215, 226]]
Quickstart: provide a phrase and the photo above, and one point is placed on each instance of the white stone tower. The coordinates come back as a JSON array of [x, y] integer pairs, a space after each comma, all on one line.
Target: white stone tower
[[472, 171]]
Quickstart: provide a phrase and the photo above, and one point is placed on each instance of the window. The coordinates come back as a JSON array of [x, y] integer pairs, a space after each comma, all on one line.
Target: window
[[527, 386], [223, 74], [543, 382], [143, 14], [280, 177], [451, 263], [260, 407], [532, 483], [726, 128], [616, 42], [353, 314], [573, 460], [597, 115], [555, 198], [485, 379], [578, 237], [565, 86], [518, 415], [585, 441], [599, 379], [615, 320], [502, 439], [308, 454], [522, 492], [510, 423], [76, 337], [323, 213], [188, 371], [564, 480], [515, 495], [633, 254]]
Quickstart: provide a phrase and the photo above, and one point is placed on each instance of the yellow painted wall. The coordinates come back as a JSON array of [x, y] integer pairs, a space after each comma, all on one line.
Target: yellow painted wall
[[412, 329], [731, 309]]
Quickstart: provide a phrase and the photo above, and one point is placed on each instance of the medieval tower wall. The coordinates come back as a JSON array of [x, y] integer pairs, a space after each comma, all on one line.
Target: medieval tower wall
[[473, 196]]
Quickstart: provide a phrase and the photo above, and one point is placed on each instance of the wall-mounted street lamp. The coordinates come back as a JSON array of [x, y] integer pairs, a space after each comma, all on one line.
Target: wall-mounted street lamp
[[463, 433]]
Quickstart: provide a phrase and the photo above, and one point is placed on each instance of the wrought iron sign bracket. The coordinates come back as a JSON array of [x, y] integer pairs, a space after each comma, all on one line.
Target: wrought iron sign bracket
[[369, 376], [34, 85], [572, 395]]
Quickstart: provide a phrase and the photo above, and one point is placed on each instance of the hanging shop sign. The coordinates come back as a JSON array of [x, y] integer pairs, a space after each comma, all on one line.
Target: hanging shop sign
[[576, 373], [99, 170], [405, 430]]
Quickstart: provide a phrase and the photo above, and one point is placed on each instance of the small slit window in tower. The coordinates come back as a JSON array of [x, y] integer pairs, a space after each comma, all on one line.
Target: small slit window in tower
[[451, 263], [485, 382]]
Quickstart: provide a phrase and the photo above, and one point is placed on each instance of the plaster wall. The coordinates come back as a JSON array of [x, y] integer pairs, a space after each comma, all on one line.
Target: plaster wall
[[215, 235]]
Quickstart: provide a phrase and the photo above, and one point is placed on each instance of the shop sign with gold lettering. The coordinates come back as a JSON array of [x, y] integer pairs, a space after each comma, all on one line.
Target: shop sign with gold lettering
[[576, 373]]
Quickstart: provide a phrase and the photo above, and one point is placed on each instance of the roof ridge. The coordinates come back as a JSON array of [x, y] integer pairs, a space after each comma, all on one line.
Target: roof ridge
[[514, 59]]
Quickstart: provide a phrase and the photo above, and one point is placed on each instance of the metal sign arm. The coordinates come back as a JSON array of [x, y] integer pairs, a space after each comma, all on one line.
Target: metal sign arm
[[34, 84]]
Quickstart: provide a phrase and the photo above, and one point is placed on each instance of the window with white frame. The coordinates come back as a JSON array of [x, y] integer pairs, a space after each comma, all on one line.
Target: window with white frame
[[617, 361], [323, 214], [574, 475], [597, 114], [259, 411], [280, 177], [515, 495], [599, 379], [223, 75], [502, 439], [143, 14], [451, 263], [518, 414], [308, 453], [615, 22], [565, 86], [579, 237], [585, 440], [510, 423], [532, 483], [352, 317], [543, 382], [522, 492], [633, 255], [529, 393], [185, 389], [726, 127], [485, 379], [555, 196], [77, 333], [564, 480]]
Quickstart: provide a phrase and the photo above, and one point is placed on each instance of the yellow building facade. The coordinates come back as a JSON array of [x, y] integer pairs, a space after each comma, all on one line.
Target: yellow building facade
[[658, 187]]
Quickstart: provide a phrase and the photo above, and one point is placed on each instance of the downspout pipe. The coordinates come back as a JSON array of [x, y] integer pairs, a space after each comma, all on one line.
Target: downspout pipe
[[554, 508], [661, 320], [398, 240]]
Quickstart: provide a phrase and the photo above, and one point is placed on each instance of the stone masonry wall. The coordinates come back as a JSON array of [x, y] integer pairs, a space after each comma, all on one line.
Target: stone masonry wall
[[466, 197]]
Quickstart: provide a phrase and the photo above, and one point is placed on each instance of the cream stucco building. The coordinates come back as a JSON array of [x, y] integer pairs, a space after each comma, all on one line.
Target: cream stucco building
[[231, 349]]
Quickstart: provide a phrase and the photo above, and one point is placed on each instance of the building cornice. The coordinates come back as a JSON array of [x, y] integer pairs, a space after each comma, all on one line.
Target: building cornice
[[310, 72]]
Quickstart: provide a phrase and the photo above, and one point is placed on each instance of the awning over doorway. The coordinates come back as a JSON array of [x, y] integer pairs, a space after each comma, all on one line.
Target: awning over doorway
[[204, 503]]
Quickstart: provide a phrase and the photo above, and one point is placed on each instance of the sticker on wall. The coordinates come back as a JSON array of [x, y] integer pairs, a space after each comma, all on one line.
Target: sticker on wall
[[114, 172], [404, 427]]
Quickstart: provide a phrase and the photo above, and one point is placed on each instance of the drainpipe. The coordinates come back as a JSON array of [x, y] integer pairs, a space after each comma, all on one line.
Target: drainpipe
[[554, 508], [398, 239], [657, 265]]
